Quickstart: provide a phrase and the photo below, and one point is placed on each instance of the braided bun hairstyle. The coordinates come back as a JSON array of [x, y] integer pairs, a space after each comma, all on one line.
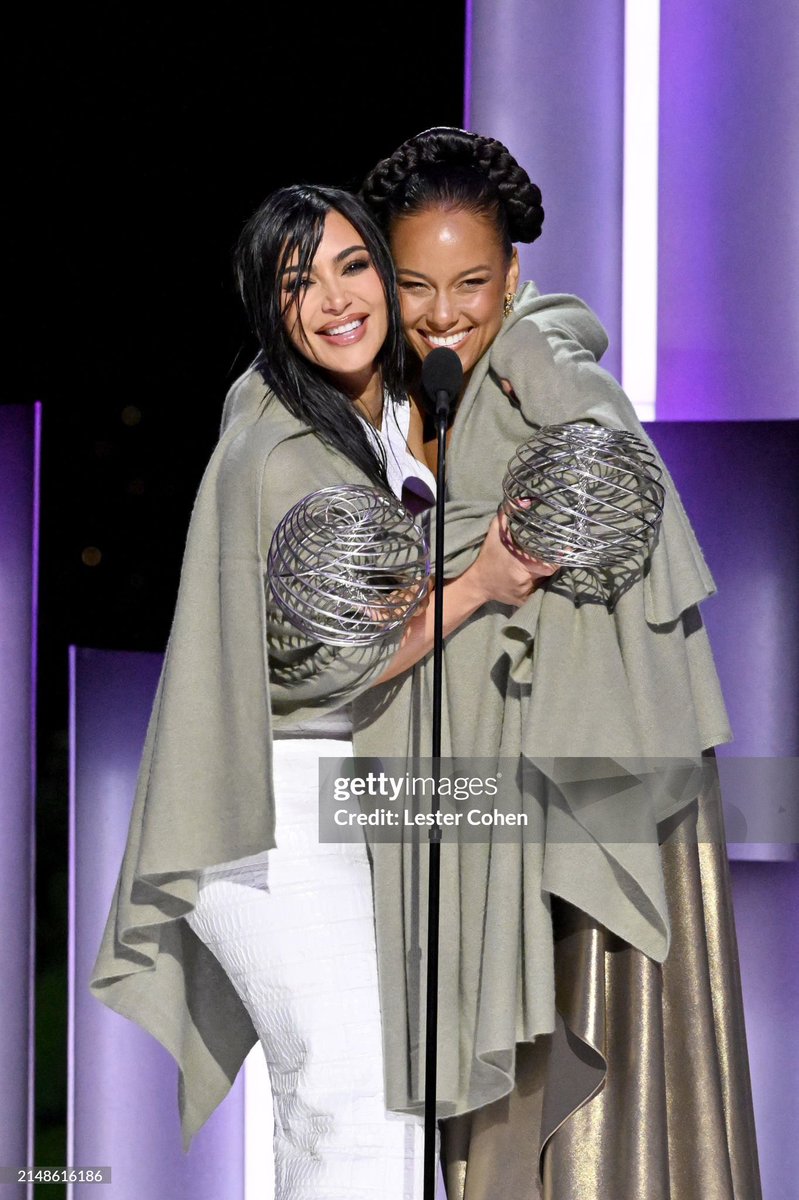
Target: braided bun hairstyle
[[448, 167]]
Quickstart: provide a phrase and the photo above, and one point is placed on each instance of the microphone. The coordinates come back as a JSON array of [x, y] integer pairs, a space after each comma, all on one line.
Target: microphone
[[442, 379]]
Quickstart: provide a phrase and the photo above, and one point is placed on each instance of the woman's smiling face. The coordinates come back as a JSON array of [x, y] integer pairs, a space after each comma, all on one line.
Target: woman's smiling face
[[342, 320], [453, 276]]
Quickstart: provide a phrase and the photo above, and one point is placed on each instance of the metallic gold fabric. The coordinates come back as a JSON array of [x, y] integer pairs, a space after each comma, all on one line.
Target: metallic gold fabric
[[642, 1092]]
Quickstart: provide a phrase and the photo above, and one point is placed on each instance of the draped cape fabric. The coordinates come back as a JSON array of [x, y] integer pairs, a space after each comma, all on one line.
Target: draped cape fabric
[[233, 671], [663, 1044], [598, 692]]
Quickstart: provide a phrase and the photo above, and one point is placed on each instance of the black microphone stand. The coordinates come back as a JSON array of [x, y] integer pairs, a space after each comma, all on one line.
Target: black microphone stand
[[442, 401]]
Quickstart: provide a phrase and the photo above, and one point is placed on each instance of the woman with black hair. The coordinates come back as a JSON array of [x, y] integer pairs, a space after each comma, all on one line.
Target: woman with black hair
[[592, 1042], [231, 921]]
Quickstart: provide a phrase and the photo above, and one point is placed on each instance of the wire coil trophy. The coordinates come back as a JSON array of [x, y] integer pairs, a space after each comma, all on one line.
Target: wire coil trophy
[[348, 565], [580, 495]]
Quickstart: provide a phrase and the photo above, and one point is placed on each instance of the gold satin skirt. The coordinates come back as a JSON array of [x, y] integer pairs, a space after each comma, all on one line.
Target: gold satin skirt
[[643, 1091]]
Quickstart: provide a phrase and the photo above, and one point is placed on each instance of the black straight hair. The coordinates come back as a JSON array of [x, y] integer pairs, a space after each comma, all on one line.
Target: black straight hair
[[291, 222]]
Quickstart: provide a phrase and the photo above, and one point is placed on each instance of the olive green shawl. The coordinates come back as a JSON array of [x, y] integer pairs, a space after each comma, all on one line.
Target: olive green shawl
[[576, 671], [231, 673]]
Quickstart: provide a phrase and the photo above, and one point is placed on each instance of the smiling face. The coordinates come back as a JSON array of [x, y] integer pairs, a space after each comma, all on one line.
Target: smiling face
[[453, 276], [340, 318]]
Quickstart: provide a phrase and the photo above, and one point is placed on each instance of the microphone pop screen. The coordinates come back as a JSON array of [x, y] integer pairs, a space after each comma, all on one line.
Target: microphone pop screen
[[442, 377]]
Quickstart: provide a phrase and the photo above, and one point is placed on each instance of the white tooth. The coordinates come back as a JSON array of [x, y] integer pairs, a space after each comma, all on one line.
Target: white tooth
[[345, 328], [451, 340]]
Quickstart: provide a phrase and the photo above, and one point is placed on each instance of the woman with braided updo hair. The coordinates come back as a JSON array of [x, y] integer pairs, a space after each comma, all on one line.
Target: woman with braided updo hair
[[591, 1039]]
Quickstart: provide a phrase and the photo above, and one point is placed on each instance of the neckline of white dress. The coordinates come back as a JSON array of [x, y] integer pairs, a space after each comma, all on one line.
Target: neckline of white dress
[[403, 469]]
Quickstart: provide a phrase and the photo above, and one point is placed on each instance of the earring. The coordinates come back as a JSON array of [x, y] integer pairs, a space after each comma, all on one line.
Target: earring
[[507, 307]]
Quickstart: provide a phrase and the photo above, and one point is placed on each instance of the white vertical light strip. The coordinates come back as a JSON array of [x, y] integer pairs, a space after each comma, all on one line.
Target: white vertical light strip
[[640, 204], [259, 1127]]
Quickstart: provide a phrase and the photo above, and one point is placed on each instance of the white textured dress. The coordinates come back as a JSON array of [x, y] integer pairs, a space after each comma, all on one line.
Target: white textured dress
[[293, 928]]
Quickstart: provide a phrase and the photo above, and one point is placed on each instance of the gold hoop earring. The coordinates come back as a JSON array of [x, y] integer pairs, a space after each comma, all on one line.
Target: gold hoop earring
[[507, 307]]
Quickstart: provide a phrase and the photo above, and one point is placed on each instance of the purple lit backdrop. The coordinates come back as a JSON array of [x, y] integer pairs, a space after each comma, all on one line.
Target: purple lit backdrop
[[729, 225], [122, 1099], [737, 482], [766, 897], [548, 80], [19, 512]]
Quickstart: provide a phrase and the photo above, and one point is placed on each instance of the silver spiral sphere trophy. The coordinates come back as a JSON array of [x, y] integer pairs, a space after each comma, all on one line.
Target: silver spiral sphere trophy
[[348, 565], [579, 495]]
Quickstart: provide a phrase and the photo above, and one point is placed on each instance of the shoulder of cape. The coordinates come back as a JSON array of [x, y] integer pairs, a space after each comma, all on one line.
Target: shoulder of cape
[[248, 397], [253, 412], [255, 423], [559, 313]]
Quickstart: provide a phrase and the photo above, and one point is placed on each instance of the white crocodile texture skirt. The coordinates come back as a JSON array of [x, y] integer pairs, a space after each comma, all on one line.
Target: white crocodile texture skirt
[[293, 928]]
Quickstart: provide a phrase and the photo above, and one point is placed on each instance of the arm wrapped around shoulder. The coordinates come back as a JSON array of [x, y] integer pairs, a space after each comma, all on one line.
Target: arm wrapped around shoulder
[[639, 652], [549, 361]]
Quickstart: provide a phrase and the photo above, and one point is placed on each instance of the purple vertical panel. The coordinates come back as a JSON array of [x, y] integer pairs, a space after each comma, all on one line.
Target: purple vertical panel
[[737, 481], [729, 236], [123, 1109], [766, 897], [19, 512], [548, 81]]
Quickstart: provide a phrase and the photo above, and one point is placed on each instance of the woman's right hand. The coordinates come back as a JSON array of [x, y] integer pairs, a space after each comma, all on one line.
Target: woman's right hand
[[504, 572], [500, 572]]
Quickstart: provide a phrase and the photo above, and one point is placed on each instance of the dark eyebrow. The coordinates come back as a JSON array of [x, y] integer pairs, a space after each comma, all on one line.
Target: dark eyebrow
[[421, 275], [345, 253], [339, 257]]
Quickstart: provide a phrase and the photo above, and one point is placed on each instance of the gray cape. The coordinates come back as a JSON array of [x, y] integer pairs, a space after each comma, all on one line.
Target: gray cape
[[582, 669], [232, 672]]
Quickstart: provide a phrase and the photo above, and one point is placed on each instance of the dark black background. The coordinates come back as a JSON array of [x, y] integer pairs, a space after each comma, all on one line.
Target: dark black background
[[139, 143]]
